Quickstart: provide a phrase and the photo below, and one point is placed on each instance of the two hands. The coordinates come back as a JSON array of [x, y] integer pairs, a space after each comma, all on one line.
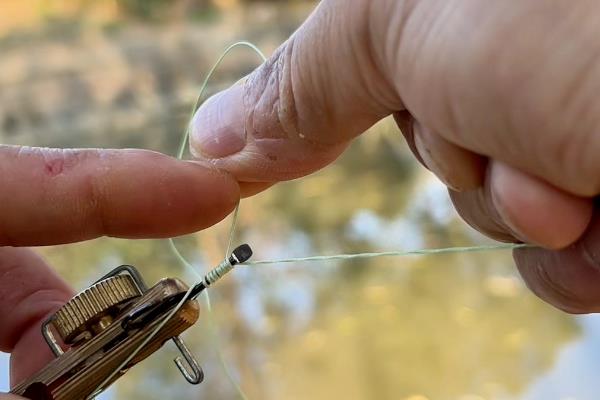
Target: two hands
[[496, 98]]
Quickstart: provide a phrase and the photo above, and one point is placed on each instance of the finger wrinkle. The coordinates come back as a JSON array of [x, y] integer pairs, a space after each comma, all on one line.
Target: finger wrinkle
[[261, 99], [285, 105], [562, 278], [568, 301], [538, 280], [95, 206], [366, 60], [589, 255], [405, 122], [90, 204], [383, 44], [271, 92]]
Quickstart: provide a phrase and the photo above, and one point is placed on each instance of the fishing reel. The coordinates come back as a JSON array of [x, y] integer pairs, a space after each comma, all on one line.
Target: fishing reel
[[94, 335]]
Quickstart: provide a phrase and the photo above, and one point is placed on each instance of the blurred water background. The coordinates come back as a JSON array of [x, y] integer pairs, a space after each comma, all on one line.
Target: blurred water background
[[124, 73]]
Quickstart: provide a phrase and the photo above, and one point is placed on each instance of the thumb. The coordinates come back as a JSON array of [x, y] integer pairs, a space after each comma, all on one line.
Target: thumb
[[299, 110]]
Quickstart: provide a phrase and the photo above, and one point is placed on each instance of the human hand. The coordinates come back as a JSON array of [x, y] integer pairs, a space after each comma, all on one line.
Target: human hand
[[61, 196], [498, 99]]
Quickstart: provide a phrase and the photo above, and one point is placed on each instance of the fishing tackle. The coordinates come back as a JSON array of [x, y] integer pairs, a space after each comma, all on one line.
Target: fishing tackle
[[106, 323]]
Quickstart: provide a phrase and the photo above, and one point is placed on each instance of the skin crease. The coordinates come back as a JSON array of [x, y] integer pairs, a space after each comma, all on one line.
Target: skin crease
[[499, 99]]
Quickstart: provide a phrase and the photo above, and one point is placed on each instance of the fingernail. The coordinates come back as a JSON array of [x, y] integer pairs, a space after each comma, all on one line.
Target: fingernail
[[218, 128]]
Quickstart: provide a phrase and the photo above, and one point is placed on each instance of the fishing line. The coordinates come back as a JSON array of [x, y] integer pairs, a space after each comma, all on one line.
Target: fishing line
[[180, 257], [336, 257], [354, 256], [235, 217]]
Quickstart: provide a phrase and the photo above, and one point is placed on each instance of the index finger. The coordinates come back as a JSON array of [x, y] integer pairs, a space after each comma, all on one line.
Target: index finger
[[52, 196]]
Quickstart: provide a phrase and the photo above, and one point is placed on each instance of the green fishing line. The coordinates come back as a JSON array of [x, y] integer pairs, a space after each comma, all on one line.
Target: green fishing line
[[232, 230], [336, 257], [354, 256], [205, 295], [181, 258]]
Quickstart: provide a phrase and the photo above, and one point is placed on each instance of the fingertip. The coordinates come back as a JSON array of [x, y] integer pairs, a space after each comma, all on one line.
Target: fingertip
[[536, 211], [122, 193], [159, 196]]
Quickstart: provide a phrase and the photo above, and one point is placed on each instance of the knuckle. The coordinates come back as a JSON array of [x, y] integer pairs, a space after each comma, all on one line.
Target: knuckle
[[87, 205], [558, 294], [270, 98], [475, 208], [550, 287]]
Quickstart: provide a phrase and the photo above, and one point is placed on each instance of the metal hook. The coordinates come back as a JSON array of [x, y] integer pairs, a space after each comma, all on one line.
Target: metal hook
[[50, 338], [192, 372]]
